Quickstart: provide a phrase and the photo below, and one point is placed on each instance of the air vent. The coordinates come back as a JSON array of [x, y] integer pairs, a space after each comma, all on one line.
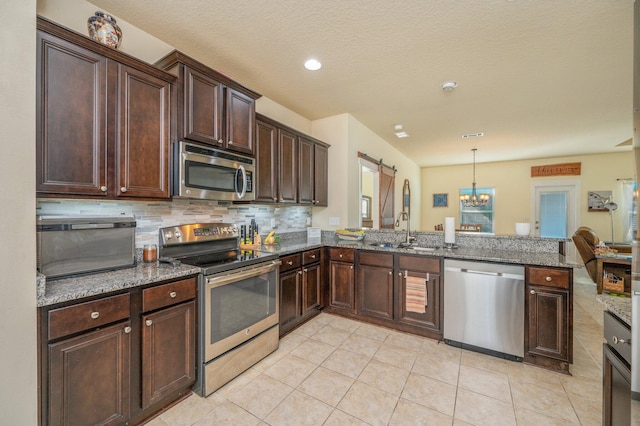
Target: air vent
[[473, 135]]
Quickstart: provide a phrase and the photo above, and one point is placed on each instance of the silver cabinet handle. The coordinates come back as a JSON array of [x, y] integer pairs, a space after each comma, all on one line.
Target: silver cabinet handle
[[390, 272], [281, 199], [548, 279], [148, 323], [341, 256], [532, 292], [173, 294], [290, 263], [127, 330], [275, 198], [305, 270], [299, 272], [103, 188], [619, 341], [230, 143], [399, 274], [123, 189], [313, 256], [95, 315], [351, 267], [220, 141]]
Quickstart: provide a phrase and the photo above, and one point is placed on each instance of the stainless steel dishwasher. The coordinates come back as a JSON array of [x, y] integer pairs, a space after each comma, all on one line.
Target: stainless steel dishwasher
[[484, 307]]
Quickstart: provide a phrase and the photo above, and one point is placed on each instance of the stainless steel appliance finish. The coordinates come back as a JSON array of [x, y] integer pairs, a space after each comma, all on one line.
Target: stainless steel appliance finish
[[484, 307], [635, 323], [238, 299], [616, 400], [204, 172], [70, 245]]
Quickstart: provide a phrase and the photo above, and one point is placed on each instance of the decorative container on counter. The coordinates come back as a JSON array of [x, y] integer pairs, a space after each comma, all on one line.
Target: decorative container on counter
[[523, 229], [103, 29]]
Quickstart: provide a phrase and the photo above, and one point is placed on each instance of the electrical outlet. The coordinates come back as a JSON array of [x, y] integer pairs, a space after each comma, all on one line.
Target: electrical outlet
[[333, 220]]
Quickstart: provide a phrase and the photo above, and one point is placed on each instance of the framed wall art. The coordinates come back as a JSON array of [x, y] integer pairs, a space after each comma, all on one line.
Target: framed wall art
[[440, 200], [596, 200]]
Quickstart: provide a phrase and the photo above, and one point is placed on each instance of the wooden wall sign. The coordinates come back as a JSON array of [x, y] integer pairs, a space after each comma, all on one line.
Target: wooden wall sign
[[563, 169]]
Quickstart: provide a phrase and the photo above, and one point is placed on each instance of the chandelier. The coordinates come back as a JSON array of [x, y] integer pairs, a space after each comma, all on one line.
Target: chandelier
[[473, 199]]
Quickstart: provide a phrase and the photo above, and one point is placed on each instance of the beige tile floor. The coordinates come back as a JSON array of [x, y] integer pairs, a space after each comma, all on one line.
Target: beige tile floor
[[335, 371]]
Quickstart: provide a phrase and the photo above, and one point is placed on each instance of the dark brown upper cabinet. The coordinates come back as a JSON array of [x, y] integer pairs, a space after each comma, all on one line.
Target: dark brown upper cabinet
[[291, 167], [212, 108], [103, 120]]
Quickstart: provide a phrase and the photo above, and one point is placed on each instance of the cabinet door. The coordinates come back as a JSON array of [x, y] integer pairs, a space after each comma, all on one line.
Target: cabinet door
[[267, 165], [375, 291], [321, 177], [71, 150], [548, 322], [387, 197], [142, 134], [311, 288], [305, 171], [203, 98], [288, 170], [431, 319], [616, 398], [89, 378], [341, 285], [240, 123], [168, 352], [289, 299]]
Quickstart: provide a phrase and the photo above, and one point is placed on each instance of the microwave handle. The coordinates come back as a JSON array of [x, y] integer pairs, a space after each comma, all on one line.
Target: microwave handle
[[241, 194]]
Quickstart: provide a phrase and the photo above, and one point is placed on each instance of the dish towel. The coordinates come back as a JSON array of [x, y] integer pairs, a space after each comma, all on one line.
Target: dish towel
[[416, 294]]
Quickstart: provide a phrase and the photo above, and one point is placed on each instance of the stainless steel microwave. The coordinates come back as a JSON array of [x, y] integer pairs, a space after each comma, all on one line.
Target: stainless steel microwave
[[207, 173]]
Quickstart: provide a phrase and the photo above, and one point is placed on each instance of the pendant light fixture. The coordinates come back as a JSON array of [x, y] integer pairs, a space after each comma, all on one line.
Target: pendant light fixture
[[473, 199]]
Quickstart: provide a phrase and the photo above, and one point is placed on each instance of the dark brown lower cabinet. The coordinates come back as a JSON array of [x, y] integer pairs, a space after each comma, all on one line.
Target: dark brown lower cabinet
[[341, 285], [119, 358], [374, 285], [89, 378], [616, 398], [168, 352], [300, 288], [427, 269]]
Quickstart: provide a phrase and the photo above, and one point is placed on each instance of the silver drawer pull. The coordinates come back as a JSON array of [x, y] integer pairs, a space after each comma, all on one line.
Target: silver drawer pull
[[148, 322], [127, 330], [340, 255], [173, 294], [95, 315], [230, 142], [290, 263], [619, 341], [548, 279], [532, 291], [103, 188], [313, 256]]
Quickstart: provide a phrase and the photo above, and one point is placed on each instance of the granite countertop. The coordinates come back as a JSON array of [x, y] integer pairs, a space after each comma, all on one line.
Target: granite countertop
[[486, 255], [620, 306], [63, 290]]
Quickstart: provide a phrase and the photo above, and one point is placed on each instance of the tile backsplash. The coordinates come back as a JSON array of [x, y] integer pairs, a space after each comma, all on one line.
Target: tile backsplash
[[152, 215]]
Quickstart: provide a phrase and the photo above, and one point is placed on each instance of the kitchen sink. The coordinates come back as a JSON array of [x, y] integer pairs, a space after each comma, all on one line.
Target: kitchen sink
[[383, 245]]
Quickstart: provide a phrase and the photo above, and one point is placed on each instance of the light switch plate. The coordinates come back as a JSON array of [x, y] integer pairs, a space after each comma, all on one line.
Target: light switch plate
[[333, 220]]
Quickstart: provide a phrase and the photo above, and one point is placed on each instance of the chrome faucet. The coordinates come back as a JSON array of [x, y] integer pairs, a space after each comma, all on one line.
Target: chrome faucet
[[405, 214]]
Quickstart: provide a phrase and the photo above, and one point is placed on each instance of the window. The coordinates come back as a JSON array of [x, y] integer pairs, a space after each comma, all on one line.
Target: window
[[480, 215]]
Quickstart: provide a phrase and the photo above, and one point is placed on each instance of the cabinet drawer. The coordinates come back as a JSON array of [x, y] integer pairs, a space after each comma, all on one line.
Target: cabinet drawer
[[341, 254], [419, 263], [168, 294], [548, 277], [310, 256], [375, 259], [290, 262], [88, 315]]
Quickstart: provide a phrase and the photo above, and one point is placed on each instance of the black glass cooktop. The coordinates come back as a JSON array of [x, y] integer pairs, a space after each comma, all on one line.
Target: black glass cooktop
[[223, 261]]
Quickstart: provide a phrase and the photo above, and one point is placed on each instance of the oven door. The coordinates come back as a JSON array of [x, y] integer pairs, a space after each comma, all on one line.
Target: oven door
[[238, 306], [207, 173]]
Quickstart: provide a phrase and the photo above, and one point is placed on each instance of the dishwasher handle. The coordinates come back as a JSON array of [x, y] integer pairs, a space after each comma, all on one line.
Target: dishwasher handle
[[492, 274]]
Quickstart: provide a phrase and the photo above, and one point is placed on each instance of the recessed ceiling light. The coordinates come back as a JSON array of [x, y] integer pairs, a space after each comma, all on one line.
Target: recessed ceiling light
[[312, 64], [399, 131], [448, 86]]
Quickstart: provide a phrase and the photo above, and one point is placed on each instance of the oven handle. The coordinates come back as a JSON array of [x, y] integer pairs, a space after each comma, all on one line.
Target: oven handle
[[241, 194], [219, 280]]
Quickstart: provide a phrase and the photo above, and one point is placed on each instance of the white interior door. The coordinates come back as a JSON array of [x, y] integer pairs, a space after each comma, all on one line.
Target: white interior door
[[555, 208]]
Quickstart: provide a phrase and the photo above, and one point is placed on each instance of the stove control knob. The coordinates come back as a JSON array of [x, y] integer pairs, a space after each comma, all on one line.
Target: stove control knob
[[168, 235], [178, 234]]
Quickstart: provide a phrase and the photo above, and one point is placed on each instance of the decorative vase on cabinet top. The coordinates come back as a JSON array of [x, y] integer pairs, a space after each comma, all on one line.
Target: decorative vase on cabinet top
[[103, 28], [523, 229]]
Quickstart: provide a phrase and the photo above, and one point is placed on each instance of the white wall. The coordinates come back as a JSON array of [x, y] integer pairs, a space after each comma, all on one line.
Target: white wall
[[347, 136], [18, 394]]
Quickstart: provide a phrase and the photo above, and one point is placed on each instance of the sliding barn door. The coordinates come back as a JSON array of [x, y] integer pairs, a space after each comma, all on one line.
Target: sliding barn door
[[387, 184]]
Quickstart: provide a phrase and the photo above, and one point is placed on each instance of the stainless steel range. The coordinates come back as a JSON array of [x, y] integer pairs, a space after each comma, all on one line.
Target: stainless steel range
[[238, 299]]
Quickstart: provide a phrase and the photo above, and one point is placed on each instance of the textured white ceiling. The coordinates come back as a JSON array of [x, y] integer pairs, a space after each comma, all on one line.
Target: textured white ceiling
[[539, 78]]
